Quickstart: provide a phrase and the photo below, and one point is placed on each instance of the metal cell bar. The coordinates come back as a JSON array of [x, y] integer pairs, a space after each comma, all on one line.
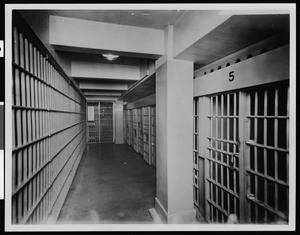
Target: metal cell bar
[[221, 151], [16, 45], [211, 119], [268, 117], [220, 209], [235, 140], [222, 133], [255, 150], [18, 112], [265, 151], [287, 131], [212, 182], [228, 145], [222, 140], [278, 181], [267, 147], [276, 145], [266, 207], [232, 116], [221, 163], [22, 155]]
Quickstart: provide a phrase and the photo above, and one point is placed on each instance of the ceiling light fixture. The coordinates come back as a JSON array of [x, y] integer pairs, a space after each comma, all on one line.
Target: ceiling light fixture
[[110, 56]]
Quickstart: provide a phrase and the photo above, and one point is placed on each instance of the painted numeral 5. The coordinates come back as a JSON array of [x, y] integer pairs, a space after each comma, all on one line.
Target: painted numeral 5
[[231, 76]]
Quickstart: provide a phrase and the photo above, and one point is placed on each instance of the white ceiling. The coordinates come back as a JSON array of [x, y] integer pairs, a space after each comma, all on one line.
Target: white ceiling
[[155, 19], [236, 33]]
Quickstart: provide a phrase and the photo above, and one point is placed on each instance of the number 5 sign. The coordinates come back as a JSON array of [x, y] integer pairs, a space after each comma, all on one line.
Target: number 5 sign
[[231, 76]]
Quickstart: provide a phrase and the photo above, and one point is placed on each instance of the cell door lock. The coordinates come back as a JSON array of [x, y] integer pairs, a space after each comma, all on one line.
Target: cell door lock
[[238, 144], [250, 196], [232, 159]]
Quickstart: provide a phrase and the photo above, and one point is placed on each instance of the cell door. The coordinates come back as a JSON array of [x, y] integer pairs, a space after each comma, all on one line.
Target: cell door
[[135, 129], [106, 122], [222, 156], [267, 154], [127, 119], [146, 131], [131, 126], [140, 131], [153, 134], [241, 165]]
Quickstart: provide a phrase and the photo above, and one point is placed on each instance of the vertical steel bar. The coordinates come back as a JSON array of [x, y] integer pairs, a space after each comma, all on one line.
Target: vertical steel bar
[[276, 145], [255, 150]]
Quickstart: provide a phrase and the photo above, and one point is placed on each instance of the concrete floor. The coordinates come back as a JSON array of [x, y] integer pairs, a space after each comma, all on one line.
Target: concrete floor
[[113, 184]]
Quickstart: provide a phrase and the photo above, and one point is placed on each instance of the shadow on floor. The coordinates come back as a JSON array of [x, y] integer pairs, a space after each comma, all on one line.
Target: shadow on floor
[[113, 184]]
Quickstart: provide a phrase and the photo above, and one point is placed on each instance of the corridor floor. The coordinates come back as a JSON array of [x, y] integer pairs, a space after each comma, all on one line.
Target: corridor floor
[[113, 184]]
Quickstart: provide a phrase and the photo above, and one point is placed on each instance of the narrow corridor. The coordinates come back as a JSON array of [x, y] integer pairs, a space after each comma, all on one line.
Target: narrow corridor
[[113, 184], [195, 121]]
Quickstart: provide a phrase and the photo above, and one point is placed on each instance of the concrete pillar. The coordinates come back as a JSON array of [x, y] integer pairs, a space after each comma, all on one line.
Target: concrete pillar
[[174, 118], [119, 122]]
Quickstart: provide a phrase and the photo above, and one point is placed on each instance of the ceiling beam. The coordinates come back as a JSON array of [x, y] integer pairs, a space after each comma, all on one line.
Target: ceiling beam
[[103, 86], [101, 98], [101, 93], [97, 51], [64, 31], [83, 69]]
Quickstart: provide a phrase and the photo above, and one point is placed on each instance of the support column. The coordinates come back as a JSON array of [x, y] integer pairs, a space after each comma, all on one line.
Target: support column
[[119, 122], [174, 118]]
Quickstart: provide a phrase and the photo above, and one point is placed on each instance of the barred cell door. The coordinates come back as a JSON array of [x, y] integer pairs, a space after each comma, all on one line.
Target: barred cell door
[[241, 141], [153, 134], [140, 131], [146, 131], [267, 154], [222, 157], [246, 154], [106, 122], [135, 129], [131, 126], [127, 119]]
